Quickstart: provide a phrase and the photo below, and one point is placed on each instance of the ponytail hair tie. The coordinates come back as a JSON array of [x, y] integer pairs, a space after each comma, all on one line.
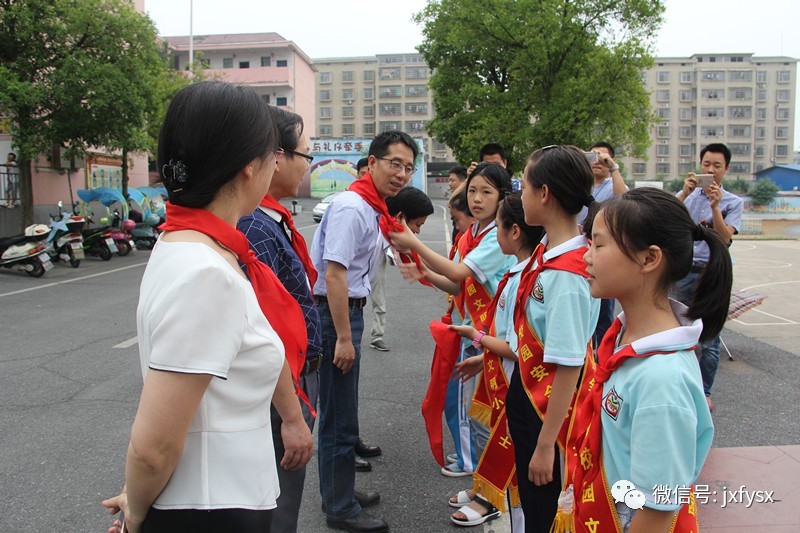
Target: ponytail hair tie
[[699, 233], [589, 201]]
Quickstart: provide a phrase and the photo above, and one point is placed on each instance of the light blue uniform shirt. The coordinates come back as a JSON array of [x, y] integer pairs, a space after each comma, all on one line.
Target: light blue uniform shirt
[[504, 316], [699, 208], [348, 235], [657, 428], [561, 311]]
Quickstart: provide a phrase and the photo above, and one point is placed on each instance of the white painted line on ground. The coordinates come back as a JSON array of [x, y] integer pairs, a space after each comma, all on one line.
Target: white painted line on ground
[[128, 343], [736, 246], [448, 237], [309, 226], [769, 284], [71, 280], [756, 263]]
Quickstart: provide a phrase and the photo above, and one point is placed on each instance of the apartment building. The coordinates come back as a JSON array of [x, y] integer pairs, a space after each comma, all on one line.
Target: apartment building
[[359, 97], [275, 68], [744, 101]]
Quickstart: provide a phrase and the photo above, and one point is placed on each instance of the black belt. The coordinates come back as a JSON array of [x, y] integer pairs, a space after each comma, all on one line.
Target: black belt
[[697, 267], [311, 365], [353, 303]]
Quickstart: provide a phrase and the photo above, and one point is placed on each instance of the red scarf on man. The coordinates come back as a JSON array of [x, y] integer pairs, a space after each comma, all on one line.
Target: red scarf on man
[[298, 242], [365, 188], [279, 307]]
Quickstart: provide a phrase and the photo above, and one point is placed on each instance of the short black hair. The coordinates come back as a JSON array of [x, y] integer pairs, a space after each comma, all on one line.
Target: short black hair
[[461, 172], [717, 148], [492, 149], [379, 146], [290, 127], [607, 146], [511, 213], [459, 201], [364, 161], [211, 131], [410, 201]]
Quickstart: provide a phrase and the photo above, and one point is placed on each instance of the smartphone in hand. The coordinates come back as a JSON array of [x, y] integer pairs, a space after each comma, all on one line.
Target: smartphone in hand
[[591, 157], [704, 180]]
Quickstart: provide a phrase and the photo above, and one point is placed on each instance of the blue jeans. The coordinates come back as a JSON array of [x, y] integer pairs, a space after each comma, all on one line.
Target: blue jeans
[[682, 291], [338, 420]]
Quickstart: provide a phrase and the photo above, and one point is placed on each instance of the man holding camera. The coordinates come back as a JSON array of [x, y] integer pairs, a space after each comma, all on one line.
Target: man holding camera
[[715, 208]]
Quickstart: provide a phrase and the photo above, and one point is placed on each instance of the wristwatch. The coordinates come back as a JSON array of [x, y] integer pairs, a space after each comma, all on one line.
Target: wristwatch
[[615, 167], [476, 342]]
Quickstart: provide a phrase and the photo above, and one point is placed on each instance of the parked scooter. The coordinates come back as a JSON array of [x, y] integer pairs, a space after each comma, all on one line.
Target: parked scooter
[[26, 252], [65, 240], [98, 242], [145, 233], [119, 231]]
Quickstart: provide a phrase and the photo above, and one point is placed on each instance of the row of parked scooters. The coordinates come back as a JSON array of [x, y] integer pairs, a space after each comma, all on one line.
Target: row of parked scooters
[[67, 239]]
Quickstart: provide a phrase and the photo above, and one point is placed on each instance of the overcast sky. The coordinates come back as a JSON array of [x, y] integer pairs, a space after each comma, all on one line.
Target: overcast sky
[[330, 28]]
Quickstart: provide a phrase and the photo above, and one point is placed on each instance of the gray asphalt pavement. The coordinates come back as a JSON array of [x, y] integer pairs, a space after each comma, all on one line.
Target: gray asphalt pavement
[[68, 398]]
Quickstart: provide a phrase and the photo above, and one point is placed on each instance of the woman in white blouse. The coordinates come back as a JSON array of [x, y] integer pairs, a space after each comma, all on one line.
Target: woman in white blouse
[[201, 456]]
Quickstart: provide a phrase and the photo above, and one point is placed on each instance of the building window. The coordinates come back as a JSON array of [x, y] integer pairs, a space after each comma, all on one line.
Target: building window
[[761, 132], [325, 112], [324, 77], [416, 73], [417, 109], [369, 93], [664, 76], [662, 95], [761, 95], [687, 113], [686, 150], [325, 130], [713, 75], [227, 62], [685, 132], [369, 77], [781, 150], [369, 129], [781, 132], [664, 113], [761, 150], [712, 94], [685, 168], [282, 63], [348, 130], [415, 126], [386, 126], [663, 132], [416, 90], [761, 76], [737, 59], [712, 131], [639, 168], [281, 101], [782, 95], [390, 110], [760, 167], [686, 76], [687, 95], [662, 150], [244, 64], [782, 113], [662, 169], [761, 113], [739, 148], [347, 76], [740, 112], [347, 94], [325, 95], [784, 76], [347, 112], [266, 61], [391, 91], [390, 73], [369, 110], [740, 168], [712, 112], [740, 93], [739, 131], [740, 75]]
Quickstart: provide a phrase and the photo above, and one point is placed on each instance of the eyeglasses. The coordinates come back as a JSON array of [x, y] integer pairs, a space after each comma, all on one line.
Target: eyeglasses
[[279, 153], [397, 166], [307, 157]]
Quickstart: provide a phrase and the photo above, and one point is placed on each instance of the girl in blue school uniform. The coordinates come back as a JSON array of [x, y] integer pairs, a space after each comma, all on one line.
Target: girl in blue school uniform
[[647, 418], [472, 276]]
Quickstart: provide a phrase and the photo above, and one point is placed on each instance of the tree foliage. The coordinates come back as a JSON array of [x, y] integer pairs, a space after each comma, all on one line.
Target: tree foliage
[[763, 192], [529, 73], [78, 73]]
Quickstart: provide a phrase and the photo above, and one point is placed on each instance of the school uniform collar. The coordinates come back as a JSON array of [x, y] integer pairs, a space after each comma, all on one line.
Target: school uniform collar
[[519, 267], [578, 241], [474, 228], [684, 337]]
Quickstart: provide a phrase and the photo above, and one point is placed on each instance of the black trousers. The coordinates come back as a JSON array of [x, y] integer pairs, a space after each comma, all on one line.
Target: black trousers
[[202, 521], [539, 503]]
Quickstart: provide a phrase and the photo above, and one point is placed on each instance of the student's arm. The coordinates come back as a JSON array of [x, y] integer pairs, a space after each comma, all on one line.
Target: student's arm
[[647, 520], [540, 469], [493, 344], [455, 272], [296, 437], [336, 280]]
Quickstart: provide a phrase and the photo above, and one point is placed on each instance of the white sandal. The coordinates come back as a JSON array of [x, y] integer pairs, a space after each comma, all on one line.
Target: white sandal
[[473, 517], [461, 500]]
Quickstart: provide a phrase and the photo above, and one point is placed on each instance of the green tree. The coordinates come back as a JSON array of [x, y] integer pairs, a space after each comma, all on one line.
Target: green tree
[[76, 73], [736, 185], [763, 192], [528, 73]]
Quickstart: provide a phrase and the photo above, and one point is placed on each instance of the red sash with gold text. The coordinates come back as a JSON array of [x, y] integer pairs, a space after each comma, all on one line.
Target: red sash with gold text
[[474, 298]]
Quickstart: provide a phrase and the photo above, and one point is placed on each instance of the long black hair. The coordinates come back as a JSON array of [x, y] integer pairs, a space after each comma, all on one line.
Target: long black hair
[[212, 130], [497, 176], [646, 217], [567, 174], [511, 213]]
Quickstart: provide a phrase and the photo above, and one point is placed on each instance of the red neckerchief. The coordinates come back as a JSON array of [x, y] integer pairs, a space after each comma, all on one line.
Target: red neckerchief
[[365, 188], [298, 242], [279, 307]]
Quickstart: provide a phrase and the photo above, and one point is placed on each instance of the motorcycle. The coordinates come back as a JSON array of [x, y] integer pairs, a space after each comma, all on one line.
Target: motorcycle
[[120, 232], [98, 242], [145, 233], [26, 252], [65, 240]]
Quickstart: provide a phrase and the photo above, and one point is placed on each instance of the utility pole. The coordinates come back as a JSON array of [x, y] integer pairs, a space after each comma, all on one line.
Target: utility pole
[[191, 40]]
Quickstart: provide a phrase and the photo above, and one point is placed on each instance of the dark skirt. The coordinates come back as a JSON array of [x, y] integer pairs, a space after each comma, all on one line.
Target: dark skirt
[[207, 521]]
